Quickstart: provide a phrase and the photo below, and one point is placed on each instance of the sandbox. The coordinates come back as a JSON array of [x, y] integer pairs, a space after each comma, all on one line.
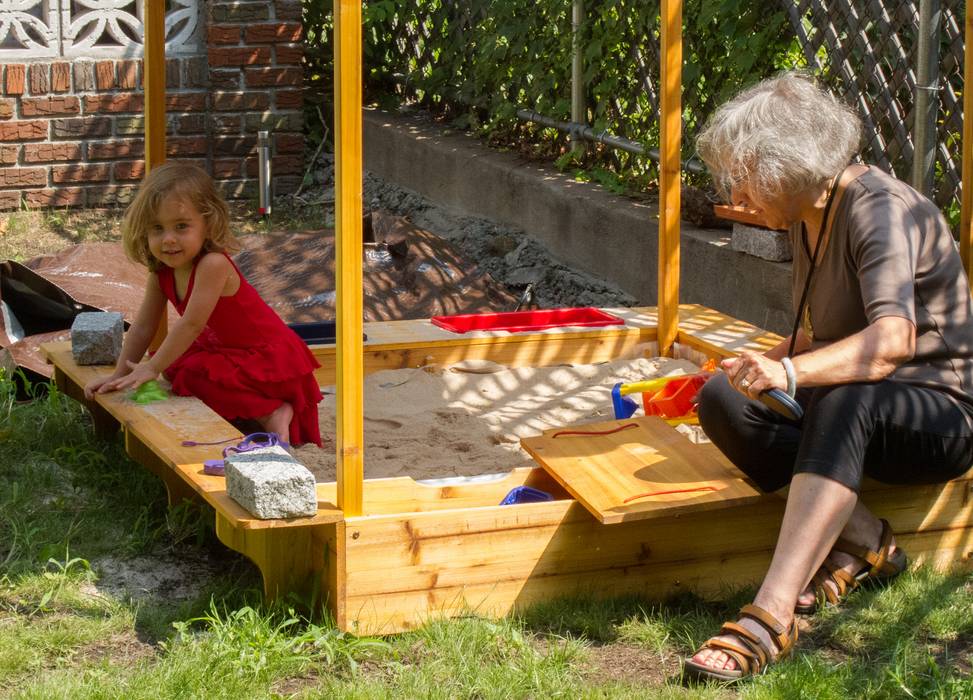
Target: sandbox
[[467, 419], [445, 547]]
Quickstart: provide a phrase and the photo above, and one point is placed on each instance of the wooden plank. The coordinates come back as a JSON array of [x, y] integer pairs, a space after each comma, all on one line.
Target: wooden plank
[[370, 615], [644, 459], [670, 137], [540, 539], [290, 561], [349, 433], [401, 344], [740, 214], [154, 78], [336, 556], [415, 343], [411, 332], [405, 495], [499, 559], [187, 463], [154, 434], [719, 335]]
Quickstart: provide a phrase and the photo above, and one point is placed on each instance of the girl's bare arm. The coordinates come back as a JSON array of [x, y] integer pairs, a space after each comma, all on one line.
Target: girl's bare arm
[[137, 338], [212, 274]]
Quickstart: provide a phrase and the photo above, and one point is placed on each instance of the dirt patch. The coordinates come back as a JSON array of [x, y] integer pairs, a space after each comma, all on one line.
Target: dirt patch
[[956, 655], [623, 662], [156, 577], [120, 649], [292, 687]]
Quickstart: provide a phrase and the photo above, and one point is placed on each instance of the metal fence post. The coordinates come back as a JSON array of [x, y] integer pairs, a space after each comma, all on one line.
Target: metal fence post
[[578, 115], [263, 160], [927, 96]]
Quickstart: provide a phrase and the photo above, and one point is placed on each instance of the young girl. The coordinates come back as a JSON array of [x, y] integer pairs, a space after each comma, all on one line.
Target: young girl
[[229, 349]]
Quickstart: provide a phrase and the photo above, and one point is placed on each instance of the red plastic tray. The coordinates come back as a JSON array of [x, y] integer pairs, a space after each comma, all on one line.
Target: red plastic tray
[[527, 320]]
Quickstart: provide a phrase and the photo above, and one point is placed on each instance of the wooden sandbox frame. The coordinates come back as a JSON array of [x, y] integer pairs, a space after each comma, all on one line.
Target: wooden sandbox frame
[[387, 554], [419, 551]]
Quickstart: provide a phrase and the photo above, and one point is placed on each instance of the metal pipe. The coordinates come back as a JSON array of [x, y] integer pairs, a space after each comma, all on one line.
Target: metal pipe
[[577, 71], [603, 137], [263, 171], [966, 192], [927, 96]]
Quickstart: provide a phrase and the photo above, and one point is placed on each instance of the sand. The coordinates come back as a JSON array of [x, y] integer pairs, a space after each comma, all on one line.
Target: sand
[[467, 419]]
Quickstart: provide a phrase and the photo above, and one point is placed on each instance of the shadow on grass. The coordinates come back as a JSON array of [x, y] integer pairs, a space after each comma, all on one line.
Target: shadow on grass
[[874, 621]]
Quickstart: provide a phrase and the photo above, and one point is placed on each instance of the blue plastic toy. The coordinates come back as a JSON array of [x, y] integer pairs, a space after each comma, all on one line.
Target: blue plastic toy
[[525, 494]]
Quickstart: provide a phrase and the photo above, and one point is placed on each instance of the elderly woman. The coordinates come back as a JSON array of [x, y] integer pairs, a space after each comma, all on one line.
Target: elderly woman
[[880, 360]]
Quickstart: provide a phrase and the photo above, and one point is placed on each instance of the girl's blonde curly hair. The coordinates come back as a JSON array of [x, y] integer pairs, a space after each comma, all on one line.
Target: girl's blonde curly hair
[[182, 180]]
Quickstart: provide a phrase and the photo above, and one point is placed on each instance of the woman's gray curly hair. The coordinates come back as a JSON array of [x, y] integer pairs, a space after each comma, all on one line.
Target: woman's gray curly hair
[[784, 134]]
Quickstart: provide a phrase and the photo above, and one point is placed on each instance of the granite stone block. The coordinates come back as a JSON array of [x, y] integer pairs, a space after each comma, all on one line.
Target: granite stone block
[[270, 483], [96, 337]]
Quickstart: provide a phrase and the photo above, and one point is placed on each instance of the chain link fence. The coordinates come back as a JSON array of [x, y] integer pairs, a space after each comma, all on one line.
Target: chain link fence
[[478, 61], [869, 52]]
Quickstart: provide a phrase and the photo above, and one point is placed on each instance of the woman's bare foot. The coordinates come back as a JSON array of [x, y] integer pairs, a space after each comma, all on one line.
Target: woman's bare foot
[[279, 421]]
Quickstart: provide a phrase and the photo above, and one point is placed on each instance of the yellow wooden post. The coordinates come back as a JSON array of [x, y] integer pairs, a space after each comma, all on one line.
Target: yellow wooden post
[[348, 251], [671, 141], [966, 215], [154, 82]]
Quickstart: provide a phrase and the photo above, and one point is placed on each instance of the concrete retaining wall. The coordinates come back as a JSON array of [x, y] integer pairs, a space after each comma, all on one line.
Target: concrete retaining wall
[[582, 224]]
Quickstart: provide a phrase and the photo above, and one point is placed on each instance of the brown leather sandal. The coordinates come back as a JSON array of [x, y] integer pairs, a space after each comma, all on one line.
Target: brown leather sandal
[[883, 566], [752, 656]]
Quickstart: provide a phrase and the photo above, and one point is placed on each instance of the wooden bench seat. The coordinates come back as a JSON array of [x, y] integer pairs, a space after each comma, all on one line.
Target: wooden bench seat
[[288, 552]]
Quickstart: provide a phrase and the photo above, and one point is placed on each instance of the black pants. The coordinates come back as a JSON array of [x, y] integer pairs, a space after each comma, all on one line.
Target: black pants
[[893, 432]]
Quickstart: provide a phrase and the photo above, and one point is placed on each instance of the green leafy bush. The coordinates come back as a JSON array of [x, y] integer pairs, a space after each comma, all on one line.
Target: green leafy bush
[[475, 62]]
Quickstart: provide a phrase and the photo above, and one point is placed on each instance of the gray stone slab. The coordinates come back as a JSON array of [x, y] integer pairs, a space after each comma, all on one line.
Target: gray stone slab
[[96, 337], [762, 242], [270, 483]]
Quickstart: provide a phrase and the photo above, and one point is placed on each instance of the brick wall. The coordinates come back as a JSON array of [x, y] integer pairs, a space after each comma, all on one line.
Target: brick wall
[[72, 132]]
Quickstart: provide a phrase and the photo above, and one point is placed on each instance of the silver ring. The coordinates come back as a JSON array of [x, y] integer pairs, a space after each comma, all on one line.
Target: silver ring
[[744, 383]]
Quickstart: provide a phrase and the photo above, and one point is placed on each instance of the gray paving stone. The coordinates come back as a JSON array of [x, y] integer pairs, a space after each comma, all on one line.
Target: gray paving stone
[[270, 483], [96, 337], [762, 242]]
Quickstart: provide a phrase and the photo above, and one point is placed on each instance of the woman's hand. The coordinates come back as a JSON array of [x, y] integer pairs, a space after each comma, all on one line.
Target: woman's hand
[[752, 373], [139, 374]]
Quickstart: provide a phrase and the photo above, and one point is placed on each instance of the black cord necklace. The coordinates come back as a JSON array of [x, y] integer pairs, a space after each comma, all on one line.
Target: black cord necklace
[[814, 259]]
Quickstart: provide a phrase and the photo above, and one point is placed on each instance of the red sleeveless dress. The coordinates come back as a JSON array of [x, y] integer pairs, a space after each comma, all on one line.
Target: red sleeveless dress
[[246, 362]]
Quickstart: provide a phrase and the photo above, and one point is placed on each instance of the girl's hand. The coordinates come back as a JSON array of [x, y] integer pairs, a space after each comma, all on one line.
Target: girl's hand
[[140, 374], [97, 386], [752, 373]]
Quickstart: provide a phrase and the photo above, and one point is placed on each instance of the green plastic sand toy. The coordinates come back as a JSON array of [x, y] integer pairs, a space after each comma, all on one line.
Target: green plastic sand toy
[[149, 392]]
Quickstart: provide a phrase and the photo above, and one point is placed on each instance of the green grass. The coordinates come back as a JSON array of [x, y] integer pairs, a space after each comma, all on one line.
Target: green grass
[[70, 503]]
